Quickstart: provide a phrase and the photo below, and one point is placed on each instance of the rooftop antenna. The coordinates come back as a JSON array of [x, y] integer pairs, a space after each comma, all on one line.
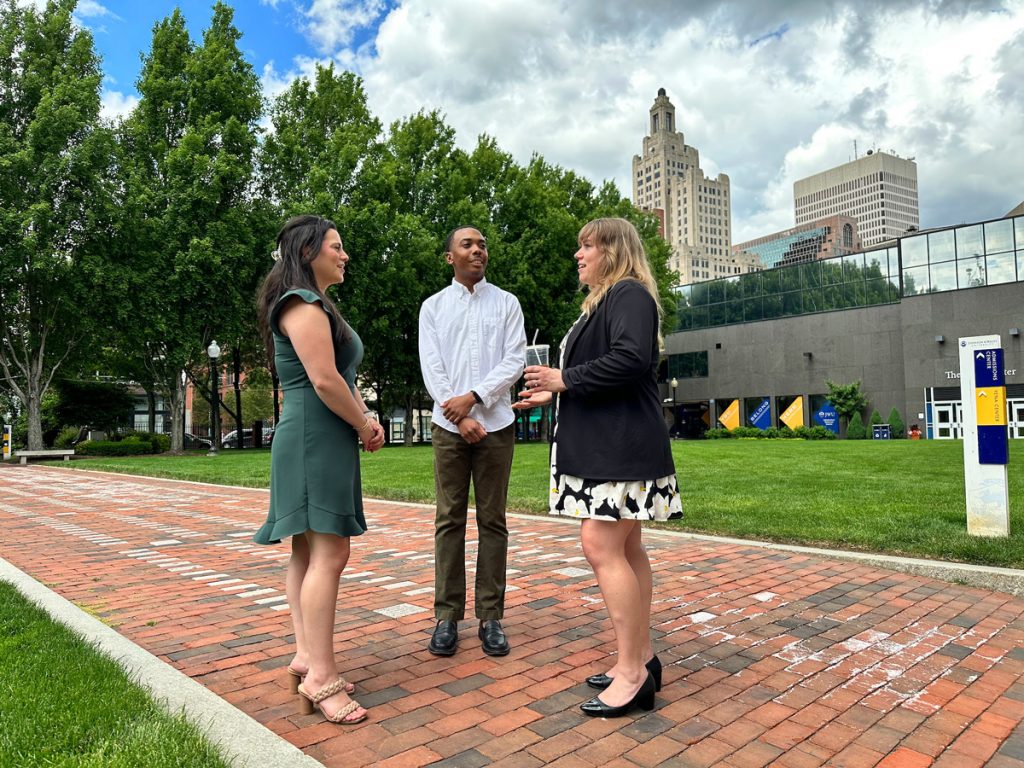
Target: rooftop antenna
[[854, 149]]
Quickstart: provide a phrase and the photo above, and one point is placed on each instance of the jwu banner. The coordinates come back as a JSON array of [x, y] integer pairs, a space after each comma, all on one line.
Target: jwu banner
[[730, 417], [762, 415], [828, 417], [793, 416]]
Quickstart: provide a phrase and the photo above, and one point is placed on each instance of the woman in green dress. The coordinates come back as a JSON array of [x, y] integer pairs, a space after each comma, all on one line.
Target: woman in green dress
[[315, 495]]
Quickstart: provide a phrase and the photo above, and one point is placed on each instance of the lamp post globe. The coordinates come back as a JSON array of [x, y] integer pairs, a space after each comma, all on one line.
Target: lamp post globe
[[213, 351]]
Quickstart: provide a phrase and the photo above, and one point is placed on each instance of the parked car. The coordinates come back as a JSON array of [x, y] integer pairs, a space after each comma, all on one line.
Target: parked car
[[230, 440], [196, 442]]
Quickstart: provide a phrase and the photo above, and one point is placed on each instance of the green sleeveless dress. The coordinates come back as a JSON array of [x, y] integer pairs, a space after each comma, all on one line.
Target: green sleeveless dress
[[314, 459]]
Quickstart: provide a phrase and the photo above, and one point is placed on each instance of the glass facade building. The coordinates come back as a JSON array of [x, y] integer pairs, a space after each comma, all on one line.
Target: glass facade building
[[947, 259]]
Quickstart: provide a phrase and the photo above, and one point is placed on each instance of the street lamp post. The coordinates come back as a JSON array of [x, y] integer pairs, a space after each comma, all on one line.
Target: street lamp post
[[675, 416], [674, 383], [214, 352]]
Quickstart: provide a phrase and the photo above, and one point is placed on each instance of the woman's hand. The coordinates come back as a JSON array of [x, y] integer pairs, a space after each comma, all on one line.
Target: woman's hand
[[372, 436], [544, 379]]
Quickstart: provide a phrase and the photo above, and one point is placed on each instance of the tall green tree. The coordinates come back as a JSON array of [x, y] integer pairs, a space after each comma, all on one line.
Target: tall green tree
[[192, 238], [54, 191]]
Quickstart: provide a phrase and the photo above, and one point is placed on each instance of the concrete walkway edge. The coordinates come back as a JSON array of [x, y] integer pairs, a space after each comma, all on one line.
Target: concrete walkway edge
[[244, 743]]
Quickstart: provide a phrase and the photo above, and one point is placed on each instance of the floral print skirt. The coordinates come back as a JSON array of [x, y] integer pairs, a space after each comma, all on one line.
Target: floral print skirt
[[572, 496]]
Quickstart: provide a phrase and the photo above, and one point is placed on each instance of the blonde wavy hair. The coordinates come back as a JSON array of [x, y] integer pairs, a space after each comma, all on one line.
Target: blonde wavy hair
[[622, 258]]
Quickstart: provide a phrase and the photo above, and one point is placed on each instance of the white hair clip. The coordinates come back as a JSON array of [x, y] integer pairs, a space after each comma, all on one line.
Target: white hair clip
[[276, 254]]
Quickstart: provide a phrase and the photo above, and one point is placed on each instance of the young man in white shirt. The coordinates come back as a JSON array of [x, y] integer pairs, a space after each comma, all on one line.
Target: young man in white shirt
[[472, 351]]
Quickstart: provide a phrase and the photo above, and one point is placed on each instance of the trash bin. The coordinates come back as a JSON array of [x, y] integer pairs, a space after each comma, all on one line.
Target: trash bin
[[881, 432]]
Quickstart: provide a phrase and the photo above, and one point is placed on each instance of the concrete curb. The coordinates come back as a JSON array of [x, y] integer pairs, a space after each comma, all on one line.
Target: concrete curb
[[243, 742]]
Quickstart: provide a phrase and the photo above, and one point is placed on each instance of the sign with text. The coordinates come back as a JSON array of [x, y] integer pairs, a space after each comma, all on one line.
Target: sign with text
[[828, 417], [762, 415], [793, 416], [983, 408], [730, 417]]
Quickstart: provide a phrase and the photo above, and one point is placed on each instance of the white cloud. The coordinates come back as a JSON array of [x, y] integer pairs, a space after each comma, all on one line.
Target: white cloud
[[87, 9], [767, 92], [114, 104], [331, 24]]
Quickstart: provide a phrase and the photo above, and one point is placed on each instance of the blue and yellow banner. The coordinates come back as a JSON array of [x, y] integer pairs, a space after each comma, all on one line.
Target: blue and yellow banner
[[762, 415]]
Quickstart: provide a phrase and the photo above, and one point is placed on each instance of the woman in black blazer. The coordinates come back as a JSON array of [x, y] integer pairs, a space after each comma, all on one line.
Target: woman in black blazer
[[611, 463]]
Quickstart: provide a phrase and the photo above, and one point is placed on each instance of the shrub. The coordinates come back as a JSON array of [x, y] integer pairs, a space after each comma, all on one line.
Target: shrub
[[876, 418], [161, 443], [771, 433], [717, 434], [65, 437], [821, 433], [130, 446], [896, 425], [855, 430], [786, 433], [747, 432]]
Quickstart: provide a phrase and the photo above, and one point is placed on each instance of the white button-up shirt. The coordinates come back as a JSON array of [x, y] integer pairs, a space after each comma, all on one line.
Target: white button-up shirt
[[472, 341]]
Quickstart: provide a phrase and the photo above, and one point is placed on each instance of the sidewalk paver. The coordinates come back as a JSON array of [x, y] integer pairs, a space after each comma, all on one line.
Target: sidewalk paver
[[771, 658]]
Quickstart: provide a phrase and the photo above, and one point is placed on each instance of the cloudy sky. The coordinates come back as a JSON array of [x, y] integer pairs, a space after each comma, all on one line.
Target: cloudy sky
[[768, 91]]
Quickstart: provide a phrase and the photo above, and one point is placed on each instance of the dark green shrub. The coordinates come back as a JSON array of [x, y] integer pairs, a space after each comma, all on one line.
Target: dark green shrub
[[876, 418], [771, 433], [65, 436], [821, 433], [856, 430], [896, 425], [128, 447], [717, 434], [804, 433], [786, 433], [161, 443], [747, 432]]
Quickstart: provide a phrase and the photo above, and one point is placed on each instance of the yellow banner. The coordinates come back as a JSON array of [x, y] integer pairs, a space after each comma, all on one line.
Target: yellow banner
[[991, 404], [793, 416], [730, 417]]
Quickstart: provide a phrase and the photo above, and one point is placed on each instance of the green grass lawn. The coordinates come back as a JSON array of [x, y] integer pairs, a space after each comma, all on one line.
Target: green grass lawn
[[897, 497], [62, 703]]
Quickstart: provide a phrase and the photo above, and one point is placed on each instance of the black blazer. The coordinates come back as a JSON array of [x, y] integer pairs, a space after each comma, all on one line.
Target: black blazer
[[610, 423]]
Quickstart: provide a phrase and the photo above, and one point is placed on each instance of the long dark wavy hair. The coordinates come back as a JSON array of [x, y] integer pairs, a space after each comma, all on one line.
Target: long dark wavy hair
[[298, 244]]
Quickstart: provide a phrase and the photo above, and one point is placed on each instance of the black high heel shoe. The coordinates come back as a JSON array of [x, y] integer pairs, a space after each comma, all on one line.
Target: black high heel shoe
[[644, 699], [602, 681]]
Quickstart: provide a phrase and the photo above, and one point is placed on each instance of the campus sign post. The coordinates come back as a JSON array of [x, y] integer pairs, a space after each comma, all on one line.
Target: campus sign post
[[986, 445]]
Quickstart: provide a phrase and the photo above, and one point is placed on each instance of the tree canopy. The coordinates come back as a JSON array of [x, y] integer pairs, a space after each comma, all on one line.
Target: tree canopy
[[149, 237]]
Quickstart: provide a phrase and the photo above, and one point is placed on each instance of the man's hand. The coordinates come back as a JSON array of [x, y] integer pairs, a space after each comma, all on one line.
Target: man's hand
[[455, 409], [472, 431]]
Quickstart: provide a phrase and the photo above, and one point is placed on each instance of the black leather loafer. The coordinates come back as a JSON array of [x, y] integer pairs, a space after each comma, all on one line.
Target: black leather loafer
[[445, 639], [493, 636]]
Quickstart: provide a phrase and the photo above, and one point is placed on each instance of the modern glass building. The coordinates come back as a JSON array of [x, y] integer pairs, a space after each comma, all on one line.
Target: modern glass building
[[888, 317]]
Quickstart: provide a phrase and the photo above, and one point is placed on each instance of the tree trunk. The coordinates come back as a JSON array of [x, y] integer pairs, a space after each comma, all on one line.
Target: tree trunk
[[238, 401], [178, 415], [35, 421], [151, 399], [410, 422]]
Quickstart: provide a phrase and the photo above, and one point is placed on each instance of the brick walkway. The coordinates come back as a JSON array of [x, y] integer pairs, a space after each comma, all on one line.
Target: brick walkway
[[771, 658]]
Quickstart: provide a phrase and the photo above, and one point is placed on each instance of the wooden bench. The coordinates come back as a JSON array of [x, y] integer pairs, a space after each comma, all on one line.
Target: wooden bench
[[26, 455]]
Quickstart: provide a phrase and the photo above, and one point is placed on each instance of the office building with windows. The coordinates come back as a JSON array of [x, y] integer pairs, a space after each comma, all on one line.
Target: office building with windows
[[822, 239], [889, 317], [695, 210], [878, 190]]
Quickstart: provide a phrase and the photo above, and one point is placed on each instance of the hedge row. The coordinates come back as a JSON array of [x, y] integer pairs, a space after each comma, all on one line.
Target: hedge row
[[132, 445], [783, 433]]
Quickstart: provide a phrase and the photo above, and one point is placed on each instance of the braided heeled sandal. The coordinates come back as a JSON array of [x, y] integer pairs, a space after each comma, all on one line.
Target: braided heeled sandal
[[312, 703], [295, 677]]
